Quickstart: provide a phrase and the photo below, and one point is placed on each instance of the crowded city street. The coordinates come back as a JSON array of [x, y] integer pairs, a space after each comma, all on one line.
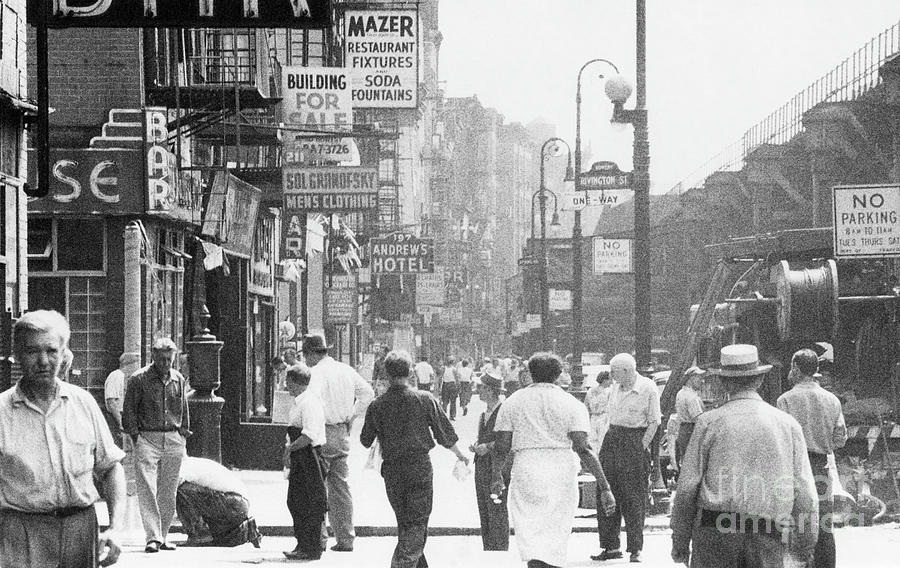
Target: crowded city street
[[449, 283]]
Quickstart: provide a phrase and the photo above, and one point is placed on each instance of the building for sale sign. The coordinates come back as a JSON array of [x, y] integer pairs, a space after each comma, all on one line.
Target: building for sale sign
[[316, 98], [866, 221], [382, 50]]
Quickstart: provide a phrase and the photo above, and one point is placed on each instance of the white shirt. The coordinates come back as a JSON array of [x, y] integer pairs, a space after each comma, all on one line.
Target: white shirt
[[344, 393], [465, 374], [541, 416], [114, 388], [309, 415], [637, 407], [424, 371]]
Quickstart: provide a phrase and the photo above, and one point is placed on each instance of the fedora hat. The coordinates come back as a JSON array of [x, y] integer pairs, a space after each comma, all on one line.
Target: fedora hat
[[314, 343], [739, 360], [492, 381]]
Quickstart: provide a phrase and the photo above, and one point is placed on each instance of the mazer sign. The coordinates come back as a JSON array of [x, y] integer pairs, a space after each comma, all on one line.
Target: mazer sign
[[401, 253]]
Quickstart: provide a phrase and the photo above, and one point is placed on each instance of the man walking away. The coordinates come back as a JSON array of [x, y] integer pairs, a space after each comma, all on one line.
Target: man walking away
[[634, 417], [156, 417], [306, 498], [746, 475], [688, 406], [819, 414], [465, 385], [547, 430], [114, 393], [449, 388], [345, 395], [56, 451], [424, 373], [407, 423], [491, 510]]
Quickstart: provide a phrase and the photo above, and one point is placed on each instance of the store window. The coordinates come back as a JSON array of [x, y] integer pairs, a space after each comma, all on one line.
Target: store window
[[67, 273], [167, 287]]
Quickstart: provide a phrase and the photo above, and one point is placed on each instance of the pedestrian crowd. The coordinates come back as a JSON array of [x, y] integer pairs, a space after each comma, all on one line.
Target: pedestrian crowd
[[752, 489]]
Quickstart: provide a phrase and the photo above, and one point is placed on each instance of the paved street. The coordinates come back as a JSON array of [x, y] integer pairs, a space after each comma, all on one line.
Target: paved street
[[872, 547]]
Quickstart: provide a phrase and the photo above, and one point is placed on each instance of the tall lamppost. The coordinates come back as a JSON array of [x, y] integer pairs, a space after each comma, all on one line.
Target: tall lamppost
[[577, 376], [541, 193]]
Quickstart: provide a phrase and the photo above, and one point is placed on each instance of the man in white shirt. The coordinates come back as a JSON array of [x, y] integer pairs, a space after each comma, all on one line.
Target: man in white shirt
[[345, 395], [306, 497], [464, 374], [114, 391], [424, 373]]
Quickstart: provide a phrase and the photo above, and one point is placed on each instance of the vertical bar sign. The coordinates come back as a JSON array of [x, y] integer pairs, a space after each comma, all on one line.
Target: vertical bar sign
[[382, 51]]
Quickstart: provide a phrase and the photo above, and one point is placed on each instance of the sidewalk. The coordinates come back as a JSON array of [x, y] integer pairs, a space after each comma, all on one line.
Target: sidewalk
[[455, 510]]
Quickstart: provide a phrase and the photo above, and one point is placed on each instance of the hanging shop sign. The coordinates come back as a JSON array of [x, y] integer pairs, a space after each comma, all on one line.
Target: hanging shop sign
[[310, 14], [866, 221], [306, 149], [381, 47], [560, 299], [455, 282], [262, 261], [612, 256], [604, 175], [401, 253], [171, 193], [340, 304], [533, 321], [91, 180], [329, 189], [316, 98], [430, 289], [231, 212]]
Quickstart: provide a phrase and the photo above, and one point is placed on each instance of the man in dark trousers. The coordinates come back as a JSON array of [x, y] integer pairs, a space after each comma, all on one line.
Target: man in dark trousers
[[493, 513], [819, 414], [634, 416], [306, 498], [407, 422]]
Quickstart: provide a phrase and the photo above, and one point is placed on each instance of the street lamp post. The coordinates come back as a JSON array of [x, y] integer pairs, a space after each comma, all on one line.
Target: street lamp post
[[577, 376], [541, 193]]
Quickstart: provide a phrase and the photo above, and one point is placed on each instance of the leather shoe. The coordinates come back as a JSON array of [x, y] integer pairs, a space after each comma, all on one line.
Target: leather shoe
[[635, 557], [342, 548], [607, 555], [152, 546], [297, 555], [167, 546]]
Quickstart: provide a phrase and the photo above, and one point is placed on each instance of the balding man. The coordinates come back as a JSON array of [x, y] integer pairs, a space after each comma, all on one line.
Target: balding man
[[634, 416], [156, 417]]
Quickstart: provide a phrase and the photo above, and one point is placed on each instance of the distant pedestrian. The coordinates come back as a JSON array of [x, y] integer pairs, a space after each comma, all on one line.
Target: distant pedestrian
[[547, 430], [114, 394], [596, 399], [212, 505], [307, 499], [492, 511], [156, 417], [746, 475], [407, 423], [279, 368], [57, 451], [379, 377], [688, 406], [424, 374], [822, 420], [449, 388], [634, 417], [345, 396], [510, 371], [465, 373]]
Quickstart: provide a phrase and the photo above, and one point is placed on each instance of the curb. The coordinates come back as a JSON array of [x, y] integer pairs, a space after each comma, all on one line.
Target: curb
[[364, 531]]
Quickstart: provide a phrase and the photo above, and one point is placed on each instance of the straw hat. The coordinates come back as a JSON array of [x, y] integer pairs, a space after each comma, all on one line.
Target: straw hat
[[739, 360]]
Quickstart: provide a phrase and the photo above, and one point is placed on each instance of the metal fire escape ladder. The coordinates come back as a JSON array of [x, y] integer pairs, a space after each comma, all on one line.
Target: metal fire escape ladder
[[699, 324]]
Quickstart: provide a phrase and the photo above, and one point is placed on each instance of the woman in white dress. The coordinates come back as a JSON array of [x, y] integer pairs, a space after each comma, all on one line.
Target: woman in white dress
[[596, 400]]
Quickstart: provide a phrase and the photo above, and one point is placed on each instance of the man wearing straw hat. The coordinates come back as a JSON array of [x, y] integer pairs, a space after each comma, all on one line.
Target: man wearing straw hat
[[746, 475]]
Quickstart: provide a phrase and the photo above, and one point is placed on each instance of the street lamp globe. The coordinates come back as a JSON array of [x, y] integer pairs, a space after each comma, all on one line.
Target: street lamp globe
[[618, 89]]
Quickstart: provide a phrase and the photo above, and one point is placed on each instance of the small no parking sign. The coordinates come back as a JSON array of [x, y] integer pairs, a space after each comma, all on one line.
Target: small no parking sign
[[866, 221]]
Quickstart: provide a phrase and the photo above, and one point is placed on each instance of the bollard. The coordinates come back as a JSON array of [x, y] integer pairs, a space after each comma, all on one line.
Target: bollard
[[204, 405]]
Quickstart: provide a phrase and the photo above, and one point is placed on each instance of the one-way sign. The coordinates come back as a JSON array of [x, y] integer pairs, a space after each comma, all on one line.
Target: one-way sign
[[604, 175]]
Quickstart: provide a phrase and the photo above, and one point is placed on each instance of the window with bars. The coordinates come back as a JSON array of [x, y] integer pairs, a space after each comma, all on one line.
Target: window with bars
[[298, 47]]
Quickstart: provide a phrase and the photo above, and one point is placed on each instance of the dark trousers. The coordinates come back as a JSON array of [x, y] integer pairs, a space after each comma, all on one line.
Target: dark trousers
[[824, 554], [685, 429], [449, 392], [494, 517], [626, 464], [713, 548], [409, 487], [306, 500], [217, 518], [465, 393]]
